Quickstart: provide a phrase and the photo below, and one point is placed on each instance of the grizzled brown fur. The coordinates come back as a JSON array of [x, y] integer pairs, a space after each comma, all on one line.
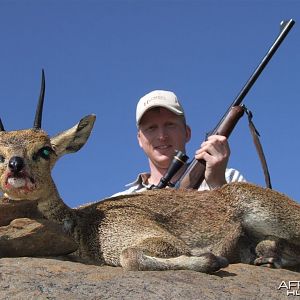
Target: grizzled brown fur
[[154, 230]]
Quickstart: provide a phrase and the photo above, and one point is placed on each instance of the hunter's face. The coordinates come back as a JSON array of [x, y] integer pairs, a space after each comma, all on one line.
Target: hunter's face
[[160, 133]]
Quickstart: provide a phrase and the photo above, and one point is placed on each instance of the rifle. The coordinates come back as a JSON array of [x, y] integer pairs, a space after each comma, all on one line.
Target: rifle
[[194, 174]]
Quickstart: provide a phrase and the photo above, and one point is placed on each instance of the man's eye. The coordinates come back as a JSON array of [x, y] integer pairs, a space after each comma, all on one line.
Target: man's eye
[[2, 158], [150, 128], [44, 152], [170, 125]]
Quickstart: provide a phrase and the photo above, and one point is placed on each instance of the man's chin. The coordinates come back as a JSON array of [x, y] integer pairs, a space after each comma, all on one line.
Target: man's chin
[[165, 154], [163, 162]]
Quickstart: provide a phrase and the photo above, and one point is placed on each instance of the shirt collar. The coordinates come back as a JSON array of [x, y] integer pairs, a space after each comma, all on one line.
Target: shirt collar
[[142, 179]]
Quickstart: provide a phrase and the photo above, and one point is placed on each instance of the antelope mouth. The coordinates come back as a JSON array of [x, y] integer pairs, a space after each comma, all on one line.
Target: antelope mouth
[[17, 181]]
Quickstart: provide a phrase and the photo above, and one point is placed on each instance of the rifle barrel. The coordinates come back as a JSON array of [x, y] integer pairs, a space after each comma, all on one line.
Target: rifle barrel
[[194, 174], [285, 27]]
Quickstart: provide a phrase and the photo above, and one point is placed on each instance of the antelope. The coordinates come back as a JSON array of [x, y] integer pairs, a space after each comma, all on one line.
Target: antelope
[[154, 230]]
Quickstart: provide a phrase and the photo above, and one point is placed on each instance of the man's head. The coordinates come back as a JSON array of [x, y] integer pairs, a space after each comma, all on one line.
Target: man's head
[[161, 127], [158, 98]]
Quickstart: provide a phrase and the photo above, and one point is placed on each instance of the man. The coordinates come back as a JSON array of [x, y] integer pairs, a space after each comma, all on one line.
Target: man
[[162, 130]]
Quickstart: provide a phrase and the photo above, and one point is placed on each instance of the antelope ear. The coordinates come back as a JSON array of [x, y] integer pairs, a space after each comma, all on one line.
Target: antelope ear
[[73, 139]]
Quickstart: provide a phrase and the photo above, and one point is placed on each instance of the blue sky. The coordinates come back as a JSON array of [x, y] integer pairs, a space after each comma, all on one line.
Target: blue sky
[[101, 56]]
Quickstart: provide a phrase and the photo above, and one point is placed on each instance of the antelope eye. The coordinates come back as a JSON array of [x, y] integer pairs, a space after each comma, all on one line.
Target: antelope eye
[[44, 152], [2, 158]]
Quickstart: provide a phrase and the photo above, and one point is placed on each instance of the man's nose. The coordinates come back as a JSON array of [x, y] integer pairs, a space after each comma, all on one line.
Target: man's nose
[[162, 133]]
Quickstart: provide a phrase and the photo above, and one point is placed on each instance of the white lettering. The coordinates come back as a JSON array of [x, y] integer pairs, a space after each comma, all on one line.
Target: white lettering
[[292, 287], [294, 284], [293, 292], [282, 285]]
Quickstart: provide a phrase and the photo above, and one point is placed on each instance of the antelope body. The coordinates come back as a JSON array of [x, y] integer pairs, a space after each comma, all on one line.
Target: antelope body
[[155, 230]]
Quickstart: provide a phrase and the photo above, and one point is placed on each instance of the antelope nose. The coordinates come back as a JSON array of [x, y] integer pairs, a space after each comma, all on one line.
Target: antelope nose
[[16, 164]]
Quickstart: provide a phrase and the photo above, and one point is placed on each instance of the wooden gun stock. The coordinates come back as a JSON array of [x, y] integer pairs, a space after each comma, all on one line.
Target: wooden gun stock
[[194, 174]]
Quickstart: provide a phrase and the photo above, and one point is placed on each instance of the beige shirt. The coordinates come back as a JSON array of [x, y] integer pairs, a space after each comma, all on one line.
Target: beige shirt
[[141, 183]]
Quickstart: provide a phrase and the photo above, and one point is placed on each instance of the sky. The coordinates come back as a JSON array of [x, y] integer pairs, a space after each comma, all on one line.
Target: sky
[[101, 56]]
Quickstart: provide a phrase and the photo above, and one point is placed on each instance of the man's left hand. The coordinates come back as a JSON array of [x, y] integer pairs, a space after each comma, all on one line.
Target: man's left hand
[[215, 151]]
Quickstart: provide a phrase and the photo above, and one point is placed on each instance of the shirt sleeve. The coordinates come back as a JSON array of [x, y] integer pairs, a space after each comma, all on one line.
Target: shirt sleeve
[[231, 175]]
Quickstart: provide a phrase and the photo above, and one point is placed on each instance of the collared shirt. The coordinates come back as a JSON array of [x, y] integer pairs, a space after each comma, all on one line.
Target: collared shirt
[[141, 183]]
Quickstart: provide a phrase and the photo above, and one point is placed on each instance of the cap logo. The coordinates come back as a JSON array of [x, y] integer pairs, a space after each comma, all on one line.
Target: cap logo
[[158, 97]]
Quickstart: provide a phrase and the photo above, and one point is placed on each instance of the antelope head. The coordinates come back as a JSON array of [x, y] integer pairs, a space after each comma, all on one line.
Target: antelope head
[[27, 156]]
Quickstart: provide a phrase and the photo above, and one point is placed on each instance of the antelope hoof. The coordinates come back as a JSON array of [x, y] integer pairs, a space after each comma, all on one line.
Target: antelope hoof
[[216, 262], [268, 262]]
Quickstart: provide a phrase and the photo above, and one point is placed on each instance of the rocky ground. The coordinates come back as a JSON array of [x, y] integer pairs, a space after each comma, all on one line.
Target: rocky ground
[[53, 278]]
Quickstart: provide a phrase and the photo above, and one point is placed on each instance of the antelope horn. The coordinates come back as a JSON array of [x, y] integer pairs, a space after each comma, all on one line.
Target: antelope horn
[[1, 126], [39, 109]]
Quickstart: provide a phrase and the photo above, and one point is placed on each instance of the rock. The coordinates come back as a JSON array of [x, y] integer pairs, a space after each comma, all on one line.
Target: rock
[[54, 278], [10, 210], [24, 236], [25, 232]]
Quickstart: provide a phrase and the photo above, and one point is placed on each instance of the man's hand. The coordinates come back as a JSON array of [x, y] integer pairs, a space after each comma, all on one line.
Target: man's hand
[[215, 151]]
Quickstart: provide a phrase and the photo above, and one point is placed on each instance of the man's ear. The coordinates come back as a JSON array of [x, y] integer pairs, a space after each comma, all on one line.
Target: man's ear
[[139, 138], [188, 133], [74, 138]]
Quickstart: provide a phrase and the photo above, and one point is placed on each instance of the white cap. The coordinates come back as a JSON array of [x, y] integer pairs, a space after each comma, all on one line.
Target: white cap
[[158, 98]]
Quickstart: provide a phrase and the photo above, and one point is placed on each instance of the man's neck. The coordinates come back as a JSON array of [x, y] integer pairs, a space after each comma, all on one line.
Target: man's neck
[[157, 173]]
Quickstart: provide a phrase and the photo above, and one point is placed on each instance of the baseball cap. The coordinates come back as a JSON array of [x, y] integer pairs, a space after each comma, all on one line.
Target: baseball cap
[[158, 98]]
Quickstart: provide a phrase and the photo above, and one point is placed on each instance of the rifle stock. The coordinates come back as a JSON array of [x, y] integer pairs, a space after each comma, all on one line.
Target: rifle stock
[[194, 175]]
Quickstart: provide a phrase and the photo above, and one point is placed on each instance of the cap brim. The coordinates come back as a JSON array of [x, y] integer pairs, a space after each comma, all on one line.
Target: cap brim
[[172, 109]]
